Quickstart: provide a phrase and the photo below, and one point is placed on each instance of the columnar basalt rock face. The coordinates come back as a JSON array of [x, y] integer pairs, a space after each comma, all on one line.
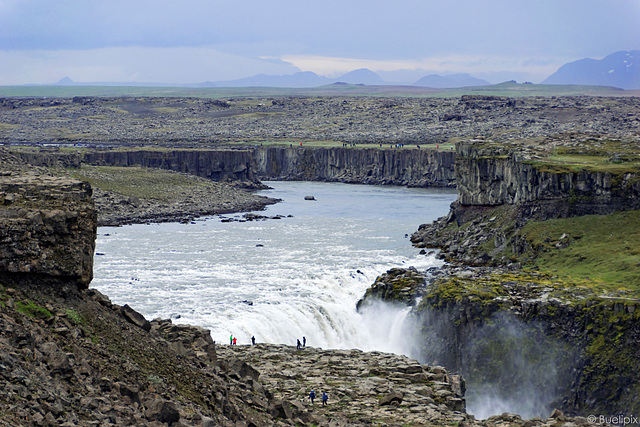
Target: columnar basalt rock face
[[218, 165], [47, 229], [412, 167], [490, 175], [50, 158], [415, 168]]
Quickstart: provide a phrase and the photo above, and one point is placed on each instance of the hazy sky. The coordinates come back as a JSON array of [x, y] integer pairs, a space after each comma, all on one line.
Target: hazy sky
[[190, 41]]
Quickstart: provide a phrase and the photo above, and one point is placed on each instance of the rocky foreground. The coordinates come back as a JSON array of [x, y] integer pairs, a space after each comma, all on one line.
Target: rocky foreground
[[80, 360]]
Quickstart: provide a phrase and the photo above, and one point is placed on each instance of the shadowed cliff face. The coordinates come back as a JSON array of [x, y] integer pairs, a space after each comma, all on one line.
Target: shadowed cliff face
[[218, 165], [413, 168], [48, 229], [489, 175], [509, 365]]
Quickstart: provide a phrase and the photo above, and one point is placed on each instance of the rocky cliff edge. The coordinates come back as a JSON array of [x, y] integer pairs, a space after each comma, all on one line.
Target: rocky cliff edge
[[48, 229]]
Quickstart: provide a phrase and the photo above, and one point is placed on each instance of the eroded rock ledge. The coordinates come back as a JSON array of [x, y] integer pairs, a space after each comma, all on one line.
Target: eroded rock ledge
[[47, 228]]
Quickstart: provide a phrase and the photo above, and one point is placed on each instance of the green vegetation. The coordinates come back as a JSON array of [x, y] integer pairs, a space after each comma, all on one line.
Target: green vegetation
[[31, 309], [138, 182], [74, 316], [601, 252], [617, 157], [605, 249]]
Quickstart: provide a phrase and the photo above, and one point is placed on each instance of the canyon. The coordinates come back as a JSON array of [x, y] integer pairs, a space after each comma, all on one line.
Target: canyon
[[514, 163]]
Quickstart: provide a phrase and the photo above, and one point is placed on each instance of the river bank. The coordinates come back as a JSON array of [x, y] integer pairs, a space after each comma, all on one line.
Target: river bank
[[142, 195]]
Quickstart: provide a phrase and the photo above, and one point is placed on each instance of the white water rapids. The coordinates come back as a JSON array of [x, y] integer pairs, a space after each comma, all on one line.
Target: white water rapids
[[283, 279], [278, 279]]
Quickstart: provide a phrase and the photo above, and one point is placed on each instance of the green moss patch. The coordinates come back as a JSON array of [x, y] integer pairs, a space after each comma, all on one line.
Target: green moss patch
[[600, 248], [32, 309]]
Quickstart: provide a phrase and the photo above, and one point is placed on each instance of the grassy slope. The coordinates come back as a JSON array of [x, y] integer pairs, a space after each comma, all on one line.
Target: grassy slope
[[605, 249], [138, 182]]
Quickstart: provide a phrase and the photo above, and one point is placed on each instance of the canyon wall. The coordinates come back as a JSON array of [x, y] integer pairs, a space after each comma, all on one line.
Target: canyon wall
[[535, 346], [48, 228], [218, 164], [415, 168], [522, 337], [389, 166], [489, 175], [523, 342]]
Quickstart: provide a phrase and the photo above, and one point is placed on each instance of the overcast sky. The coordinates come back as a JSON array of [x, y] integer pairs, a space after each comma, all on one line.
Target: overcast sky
[[191, 41]]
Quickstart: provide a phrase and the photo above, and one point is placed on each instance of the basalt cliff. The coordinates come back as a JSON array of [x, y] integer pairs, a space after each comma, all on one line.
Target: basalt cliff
[[48, 228], [570, 342]]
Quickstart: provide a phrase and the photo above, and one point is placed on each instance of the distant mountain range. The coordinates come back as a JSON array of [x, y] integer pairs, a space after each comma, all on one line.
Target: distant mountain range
[[361, 76], [303, 79], [450, 81], [620, 69]]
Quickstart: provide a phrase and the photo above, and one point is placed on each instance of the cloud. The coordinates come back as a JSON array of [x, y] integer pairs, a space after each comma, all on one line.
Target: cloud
[[132, 64], [435, 35]]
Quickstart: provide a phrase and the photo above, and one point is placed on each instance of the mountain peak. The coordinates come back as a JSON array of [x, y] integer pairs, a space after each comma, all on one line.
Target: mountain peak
[[65, 81], [620, 69], [361, 76]]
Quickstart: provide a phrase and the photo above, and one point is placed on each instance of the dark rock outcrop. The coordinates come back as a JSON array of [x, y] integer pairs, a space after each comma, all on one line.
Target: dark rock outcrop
[[410, 167], [491, 175], [47, 228], [398, 285], [217, 165]]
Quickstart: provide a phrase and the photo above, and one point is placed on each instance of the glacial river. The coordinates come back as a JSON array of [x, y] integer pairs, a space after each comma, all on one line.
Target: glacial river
[[278, 280]]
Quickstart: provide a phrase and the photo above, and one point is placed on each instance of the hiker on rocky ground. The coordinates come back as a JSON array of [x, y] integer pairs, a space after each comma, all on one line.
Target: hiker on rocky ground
[[304, 341], [230, 339], [325, 397], [312, 396], [253, 340], [299, 345], [234, 341]]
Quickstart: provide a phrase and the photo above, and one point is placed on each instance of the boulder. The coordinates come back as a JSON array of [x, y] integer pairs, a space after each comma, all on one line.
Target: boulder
[[162, 410], [393, 398], [136, 318]]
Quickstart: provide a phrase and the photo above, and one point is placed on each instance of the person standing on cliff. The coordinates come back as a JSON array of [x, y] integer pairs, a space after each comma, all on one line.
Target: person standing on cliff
[[325, 397], [312, 396], [230, 339], [253, 340], [235, 341], [299, 345], [304, 341]]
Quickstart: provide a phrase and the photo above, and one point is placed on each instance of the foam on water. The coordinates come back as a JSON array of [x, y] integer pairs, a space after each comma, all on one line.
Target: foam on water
[[304, 280]]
